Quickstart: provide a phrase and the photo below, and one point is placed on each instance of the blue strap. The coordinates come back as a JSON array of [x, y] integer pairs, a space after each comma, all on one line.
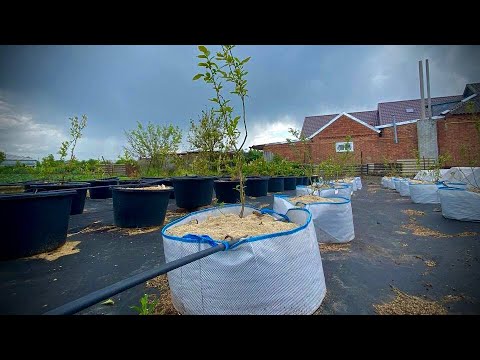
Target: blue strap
[[271, 212], [205, 239]]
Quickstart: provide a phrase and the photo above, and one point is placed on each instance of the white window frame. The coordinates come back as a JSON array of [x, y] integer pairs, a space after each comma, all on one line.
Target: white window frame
[[343, 143]]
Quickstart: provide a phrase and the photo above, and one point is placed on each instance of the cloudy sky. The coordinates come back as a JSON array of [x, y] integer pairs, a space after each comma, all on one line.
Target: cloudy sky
[[42, 86]]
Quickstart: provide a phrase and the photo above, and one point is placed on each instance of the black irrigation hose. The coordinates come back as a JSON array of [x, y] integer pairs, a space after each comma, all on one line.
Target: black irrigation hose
[[102, 294]]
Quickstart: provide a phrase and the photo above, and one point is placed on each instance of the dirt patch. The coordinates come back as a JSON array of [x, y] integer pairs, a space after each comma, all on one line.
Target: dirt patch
[[418, 230], [307, 199], [401, 232], [165, 305], [138, 231], [334, 247], [411, 212], [231, 225], [405, 304], [69, 248], [262, 206]]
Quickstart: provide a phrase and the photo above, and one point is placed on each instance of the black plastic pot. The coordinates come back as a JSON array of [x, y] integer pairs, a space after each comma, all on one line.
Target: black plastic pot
[[276, 184], [128, 182], [226, 192], [78, 201], [193, 191], [139, 208], [257, 186], [290, 183], [298, 180], [33, 223], [103, 192]]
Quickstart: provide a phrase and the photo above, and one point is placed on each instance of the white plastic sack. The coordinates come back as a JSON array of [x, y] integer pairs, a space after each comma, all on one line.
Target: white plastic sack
[[390, 183], [358, 182], [339, 190], [459, 204], [396, 182], [424, 193], [271, 274], [333, 221], [384, 182], [403, 188], [467, 175], [429, 175]]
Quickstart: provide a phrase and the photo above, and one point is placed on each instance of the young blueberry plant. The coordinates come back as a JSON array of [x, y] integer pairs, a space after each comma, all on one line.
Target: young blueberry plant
[[76, 127], [224, 68], [300, 146]]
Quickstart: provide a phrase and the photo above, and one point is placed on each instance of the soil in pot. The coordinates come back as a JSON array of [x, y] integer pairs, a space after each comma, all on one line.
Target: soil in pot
[[256, 186], [78, 201], [276, 184], [290, 183], [161, 181], [11, 188], [225, 190], [193, 191], [33, 223], [308, 199], [104, 192], [231, 225], [135, 207]]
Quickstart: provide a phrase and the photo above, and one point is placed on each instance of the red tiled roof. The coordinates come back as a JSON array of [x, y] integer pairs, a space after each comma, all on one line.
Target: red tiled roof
[[398, 108]]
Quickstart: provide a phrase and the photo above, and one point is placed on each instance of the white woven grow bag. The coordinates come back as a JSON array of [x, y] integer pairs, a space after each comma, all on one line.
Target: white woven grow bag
[[272, 274], [338, 190], [333, 221], [424, 193], [403, 188], [396, 182], [358, 182], [459, 204], [390, 183], [384, 182]]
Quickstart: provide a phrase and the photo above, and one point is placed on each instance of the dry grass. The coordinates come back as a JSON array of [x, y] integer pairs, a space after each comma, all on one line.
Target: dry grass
[[165, 305], [221, 227], [405, 304], [430, 263], [69, 248], [418, 230], [307, 199], [96, 227], [452, 298], [411, 212], [334, 247]]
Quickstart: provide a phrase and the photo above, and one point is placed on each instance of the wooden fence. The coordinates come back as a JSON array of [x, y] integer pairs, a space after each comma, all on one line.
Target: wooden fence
[[114, 169]]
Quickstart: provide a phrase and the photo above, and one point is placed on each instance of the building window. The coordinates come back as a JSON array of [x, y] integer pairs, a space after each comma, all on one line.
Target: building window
[[344, 146]]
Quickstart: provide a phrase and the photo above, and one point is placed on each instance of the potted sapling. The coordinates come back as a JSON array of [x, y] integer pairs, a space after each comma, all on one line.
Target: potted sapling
[[261, 272]]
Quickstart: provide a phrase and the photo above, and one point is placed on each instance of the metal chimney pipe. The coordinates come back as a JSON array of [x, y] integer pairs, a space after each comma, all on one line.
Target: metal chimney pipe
[[430, 114], [395, 129], [422, 93]]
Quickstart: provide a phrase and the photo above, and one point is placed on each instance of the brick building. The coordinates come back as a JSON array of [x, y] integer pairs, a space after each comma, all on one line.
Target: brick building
[[373, 132]]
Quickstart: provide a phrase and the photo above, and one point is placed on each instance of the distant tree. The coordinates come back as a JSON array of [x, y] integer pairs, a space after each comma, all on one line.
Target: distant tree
[[2, 156], [206, 136], [154, 142], [76, 127]]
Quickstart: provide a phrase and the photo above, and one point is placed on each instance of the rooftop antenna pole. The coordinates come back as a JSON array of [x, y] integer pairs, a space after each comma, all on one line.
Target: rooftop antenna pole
[[427, 70], [422, 93]]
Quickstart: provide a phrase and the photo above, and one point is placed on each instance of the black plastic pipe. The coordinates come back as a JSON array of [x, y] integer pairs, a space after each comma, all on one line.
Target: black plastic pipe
[[102, 294]]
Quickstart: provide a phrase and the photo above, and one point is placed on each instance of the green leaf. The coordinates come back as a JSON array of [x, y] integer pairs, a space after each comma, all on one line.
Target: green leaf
[[202, 64], [198, 76], [245, 60], [203, 49], [202, 56]]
